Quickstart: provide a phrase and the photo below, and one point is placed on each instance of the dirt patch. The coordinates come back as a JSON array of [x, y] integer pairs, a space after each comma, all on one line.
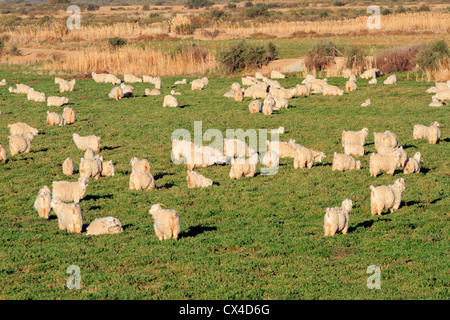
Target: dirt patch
[[33, 55], [282, 65]]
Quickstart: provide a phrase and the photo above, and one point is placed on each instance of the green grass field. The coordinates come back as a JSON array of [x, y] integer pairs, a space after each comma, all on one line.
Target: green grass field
[[253, 238]]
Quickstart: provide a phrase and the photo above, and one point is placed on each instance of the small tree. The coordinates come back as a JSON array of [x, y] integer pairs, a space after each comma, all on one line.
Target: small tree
[[243, 55]]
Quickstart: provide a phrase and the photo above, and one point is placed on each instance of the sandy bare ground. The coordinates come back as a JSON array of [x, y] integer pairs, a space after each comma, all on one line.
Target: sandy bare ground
[[282, 65], [33, 55]]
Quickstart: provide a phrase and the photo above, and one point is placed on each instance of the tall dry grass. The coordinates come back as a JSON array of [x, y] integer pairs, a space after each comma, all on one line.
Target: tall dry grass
[[58, 31], [435, 22], [423, 22], [441, 73], [138, 61]]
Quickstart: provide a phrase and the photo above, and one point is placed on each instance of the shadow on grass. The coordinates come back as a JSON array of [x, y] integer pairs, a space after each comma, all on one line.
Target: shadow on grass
[[40, 150], [366, 224], [407, 146], [322, 164], [96, 197], [446, 140], [196, 230], [94, 208], [184, 106], [109, 148], [166, 186], [424, 170], [162, 174], [409, 203], [126, 226]]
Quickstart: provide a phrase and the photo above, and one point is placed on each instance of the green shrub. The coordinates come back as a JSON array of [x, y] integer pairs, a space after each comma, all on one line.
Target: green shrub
[[386, 11], [116, 42], [400, 9], [257, 11], [58, 1], [423, 7], [92, 7], [195, 4], [231, 6], [323, 14], [217, 14], [145, 7], [243, 55], [248, 4], [338, 3], [429, 55], [186, 29]]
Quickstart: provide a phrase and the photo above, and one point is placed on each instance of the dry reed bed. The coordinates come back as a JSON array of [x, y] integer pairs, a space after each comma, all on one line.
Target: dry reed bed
[[434, 22], [424, 22], [35, 34], [138, 61]]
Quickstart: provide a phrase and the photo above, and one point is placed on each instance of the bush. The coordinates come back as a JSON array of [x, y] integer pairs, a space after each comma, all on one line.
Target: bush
[[320, 55], [14, 51], [182, 24], [397, 59], [231, 6], [400, 9], [52, 2], [116, 42], [273, 5], [323, 14], [92, 7], [248, 4], [217, 14], [429, 55], [243, 55], [386, 11], [195, 4], [423, 7], [257, 11], [185, 29], [355, 57], [145, 7], [338, 3]]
